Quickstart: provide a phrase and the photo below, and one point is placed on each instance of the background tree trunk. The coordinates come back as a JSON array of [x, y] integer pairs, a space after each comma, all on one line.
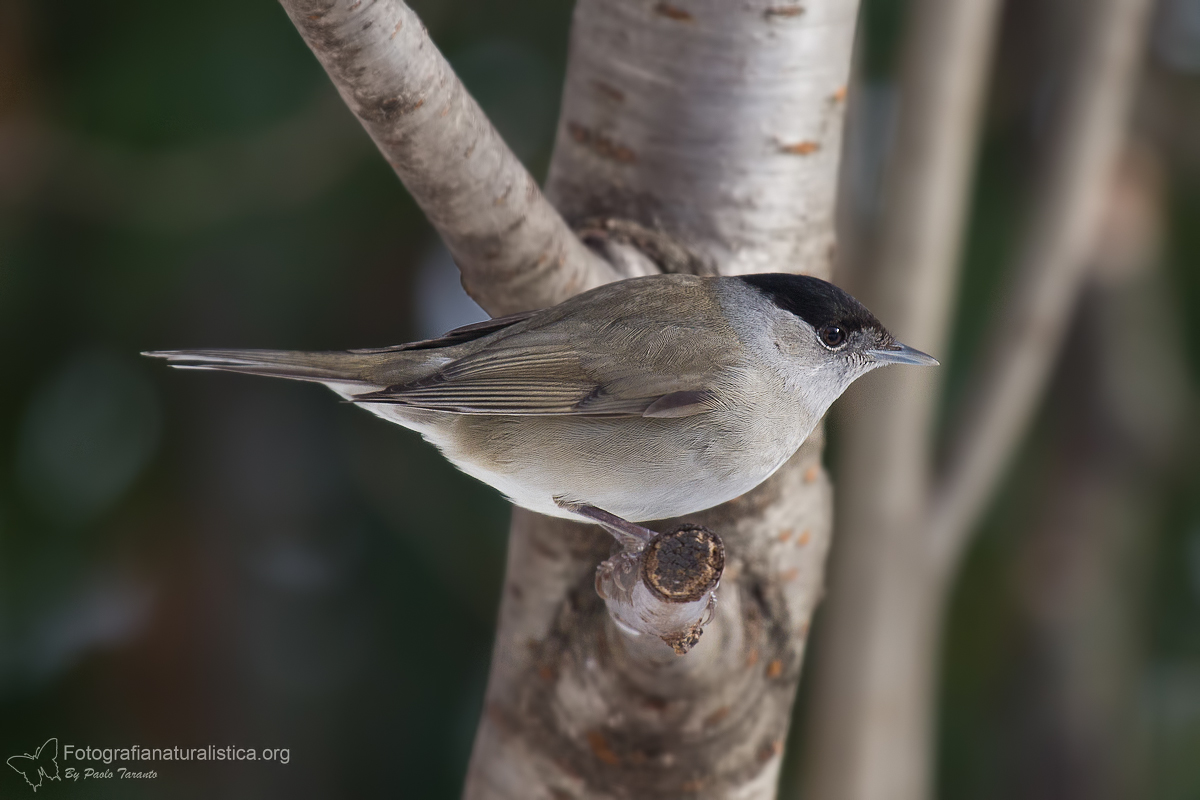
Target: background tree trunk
[[905, 520]]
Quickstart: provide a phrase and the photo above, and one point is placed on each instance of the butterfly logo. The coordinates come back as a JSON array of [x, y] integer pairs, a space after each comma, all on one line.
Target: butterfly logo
[[42, 764]]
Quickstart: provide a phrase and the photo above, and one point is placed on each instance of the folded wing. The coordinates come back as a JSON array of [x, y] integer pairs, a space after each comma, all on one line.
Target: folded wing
[[529, 374]]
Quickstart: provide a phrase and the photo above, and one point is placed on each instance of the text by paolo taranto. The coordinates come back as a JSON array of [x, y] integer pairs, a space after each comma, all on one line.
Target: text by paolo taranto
[[87, 773]]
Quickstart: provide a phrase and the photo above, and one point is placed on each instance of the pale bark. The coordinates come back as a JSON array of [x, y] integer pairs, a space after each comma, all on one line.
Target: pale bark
[[904, 526], [514, 250], [665, 588], [718, 122], [705, 136], [574, 708]]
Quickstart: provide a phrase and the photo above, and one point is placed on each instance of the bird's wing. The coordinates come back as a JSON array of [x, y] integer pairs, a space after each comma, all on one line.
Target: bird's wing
[[533, 373]]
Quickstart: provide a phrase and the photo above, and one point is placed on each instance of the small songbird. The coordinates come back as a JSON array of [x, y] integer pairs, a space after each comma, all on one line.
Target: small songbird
[[647, 398]]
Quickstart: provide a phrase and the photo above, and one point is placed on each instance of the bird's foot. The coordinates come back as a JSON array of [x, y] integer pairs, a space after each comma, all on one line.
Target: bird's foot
[[664, 584]]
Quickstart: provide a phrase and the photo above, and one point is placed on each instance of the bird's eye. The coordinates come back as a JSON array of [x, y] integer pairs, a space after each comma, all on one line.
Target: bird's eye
[[833, 336]]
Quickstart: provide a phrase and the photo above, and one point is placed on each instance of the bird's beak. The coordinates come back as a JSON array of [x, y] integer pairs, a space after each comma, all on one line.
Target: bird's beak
[[902, 354]]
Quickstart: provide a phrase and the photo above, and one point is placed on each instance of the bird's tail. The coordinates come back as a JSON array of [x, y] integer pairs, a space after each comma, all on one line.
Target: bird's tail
[[340, 368]]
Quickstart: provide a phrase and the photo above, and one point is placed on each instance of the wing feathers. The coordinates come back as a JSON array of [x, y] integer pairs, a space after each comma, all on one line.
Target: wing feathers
[[681, 404], [526, 396]]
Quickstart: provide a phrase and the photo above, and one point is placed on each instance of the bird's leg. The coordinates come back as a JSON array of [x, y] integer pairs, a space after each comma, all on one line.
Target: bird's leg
[[633, 538], [663, 584]]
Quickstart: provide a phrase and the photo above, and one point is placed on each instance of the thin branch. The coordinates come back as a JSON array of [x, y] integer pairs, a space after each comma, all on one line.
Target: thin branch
[[661, 585], [1027, 333], [514, 250]]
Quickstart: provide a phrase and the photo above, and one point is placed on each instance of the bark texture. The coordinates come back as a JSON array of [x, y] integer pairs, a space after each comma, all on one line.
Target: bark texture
[[575, 708], [720, 123], [666, 589], [513, 249], [903, 523]]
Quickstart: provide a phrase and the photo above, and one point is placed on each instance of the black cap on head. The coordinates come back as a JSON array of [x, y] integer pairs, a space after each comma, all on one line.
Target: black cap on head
[[817, 302]]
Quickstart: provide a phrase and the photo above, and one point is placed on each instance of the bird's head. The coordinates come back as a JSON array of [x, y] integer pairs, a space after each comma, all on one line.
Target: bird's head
[[827, 337]]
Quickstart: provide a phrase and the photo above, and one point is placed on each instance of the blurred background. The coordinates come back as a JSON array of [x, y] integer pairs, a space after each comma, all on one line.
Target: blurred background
[[195, 559]]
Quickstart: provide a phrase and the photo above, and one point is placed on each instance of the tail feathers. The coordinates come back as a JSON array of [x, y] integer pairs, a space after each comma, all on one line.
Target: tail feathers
[[322, 367]]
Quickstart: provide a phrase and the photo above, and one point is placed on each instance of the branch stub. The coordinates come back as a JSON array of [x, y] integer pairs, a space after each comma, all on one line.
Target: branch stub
[[685, 564]]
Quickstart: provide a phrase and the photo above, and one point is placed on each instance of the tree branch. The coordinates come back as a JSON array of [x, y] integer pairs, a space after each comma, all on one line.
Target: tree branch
[[514, 250], [666, 589], [663, 585], [1027, 333]]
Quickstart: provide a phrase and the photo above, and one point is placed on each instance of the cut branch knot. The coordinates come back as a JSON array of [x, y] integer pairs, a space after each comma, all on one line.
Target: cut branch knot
[[685, 564], [667, 587]]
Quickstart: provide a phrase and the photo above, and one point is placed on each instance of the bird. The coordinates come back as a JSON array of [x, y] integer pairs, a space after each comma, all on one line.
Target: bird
[[643, 399]]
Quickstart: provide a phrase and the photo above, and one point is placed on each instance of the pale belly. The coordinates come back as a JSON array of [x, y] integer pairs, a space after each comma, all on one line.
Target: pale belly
[[639, 469]]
